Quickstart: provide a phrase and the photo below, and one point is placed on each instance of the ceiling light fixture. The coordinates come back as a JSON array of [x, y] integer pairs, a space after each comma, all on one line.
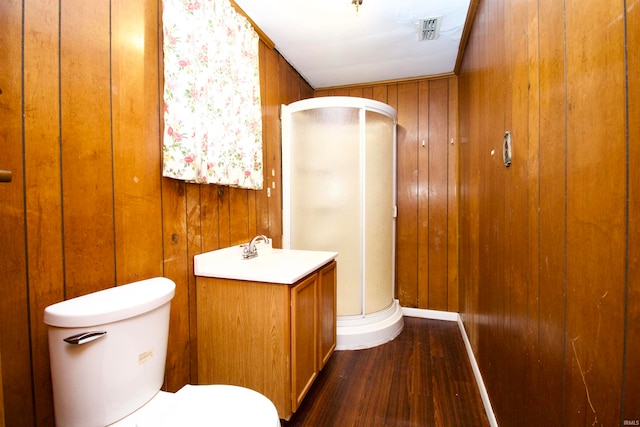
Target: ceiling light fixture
[[357, 4]]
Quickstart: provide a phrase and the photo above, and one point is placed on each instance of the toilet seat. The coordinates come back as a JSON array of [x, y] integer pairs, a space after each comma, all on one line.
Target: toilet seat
[[205, 405]]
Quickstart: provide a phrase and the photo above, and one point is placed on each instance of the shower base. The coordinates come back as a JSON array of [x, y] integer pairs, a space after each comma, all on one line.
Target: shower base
[[370, 330]]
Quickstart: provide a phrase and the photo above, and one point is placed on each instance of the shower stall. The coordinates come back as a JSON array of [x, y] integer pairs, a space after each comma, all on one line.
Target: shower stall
[[339, 194]]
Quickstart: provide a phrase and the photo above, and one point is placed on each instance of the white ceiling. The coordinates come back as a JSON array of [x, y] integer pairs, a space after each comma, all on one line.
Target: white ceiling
[[330, 44]]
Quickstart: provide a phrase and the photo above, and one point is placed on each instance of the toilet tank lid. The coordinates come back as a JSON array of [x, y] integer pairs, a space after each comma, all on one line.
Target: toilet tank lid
[[111, 305]]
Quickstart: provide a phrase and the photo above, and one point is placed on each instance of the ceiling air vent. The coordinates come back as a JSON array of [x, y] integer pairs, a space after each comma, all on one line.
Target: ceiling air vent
[[429, 28]]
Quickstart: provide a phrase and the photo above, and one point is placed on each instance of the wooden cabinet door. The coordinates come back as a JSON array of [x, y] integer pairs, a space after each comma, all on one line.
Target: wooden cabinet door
[[326, 313], [304, 342]]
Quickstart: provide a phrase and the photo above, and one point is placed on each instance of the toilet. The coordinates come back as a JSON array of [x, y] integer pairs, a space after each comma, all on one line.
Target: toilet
[[108, 351]]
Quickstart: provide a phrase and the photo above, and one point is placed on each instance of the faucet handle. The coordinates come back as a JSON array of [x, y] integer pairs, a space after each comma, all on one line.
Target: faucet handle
[[246, 251]]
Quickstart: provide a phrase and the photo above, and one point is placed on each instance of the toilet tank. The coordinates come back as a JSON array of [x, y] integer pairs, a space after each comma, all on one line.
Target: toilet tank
[[119, 365]]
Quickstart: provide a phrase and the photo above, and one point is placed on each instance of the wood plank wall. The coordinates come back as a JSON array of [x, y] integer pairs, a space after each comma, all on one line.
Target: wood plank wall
[[87, 209], [427, 225], [549, 251]]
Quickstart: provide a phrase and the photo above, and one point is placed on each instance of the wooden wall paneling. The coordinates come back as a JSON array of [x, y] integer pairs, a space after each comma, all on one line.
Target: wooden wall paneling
[[42, 188], [181, 366], [289, 84], [437, 190], [406, 234], [224, 216], [240, 215], [552, 233], [294, 86], [367, 92], [596, 194], [517, 211], [16, 374], [306, 91], [262, 200], [503, 238], [209, 217], [632, 356], [485, 290], [491, 286], [468, 205], [343, 91], [254, 213], [390, 93], [465, 244], [452, 197], [469, 178], [356, 92], [271, 123], [138, 209], [194, 237], [2, 419], [379, 93], [422, 199], [87, 160], [533, 204]]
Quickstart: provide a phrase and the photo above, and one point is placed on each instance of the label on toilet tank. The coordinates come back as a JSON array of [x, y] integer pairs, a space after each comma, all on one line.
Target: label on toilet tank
[[144, 356]]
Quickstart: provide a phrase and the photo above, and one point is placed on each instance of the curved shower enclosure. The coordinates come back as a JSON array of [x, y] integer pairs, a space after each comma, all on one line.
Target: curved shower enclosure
[[339, 194]]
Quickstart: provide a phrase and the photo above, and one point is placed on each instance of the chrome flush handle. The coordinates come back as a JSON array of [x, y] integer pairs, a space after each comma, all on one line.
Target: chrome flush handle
[[85, 337]]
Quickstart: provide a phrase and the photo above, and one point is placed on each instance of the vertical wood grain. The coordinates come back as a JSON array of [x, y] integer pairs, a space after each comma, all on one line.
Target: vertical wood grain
[[2, 420], [423, 197], [379, 93], [407, 222], [181, 359], [91, 141], [262, 318], [552, 233], [518, 179], [556, 230], [532, 205], [43, 189], [87, 170], [304, 338], [262, 197], [273, 163], [437, 171], [13, 262], [632, 355], [239, 216], [596, 194], [135, 127], [493, 80], [452, 198]]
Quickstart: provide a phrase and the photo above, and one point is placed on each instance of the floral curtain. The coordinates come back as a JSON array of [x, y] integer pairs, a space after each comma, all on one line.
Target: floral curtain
[[212, 113]]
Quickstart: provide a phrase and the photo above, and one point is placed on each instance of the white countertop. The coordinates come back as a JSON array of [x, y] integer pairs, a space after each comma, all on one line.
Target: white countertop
[[285, 266]]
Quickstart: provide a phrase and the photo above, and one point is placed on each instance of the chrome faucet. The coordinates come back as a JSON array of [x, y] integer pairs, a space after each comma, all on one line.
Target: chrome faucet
[[249, 250]]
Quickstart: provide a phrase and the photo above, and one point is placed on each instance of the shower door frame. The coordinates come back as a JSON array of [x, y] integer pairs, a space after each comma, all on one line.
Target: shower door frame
[[363, 105]]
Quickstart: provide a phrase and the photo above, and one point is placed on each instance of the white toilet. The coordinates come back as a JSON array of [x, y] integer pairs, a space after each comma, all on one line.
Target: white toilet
[[108, 352]]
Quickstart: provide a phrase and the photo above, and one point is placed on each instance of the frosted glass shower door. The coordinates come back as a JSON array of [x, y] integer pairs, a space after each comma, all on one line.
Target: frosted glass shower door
[[325, 189], [338, 164], [379, 207]]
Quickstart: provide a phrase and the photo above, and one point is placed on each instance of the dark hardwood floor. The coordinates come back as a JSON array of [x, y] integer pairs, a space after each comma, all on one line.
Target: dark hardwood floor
[[421, 378]]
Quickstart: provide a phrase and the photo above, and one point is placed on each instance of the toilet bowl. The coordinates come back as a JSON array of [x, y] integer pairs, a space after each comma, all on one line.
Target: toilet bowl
[[108, 352], [205, 405]]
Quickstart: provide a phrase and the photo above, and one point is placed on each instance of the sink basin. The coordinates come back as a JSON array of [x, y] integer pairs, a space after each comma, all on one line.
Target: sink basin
[[285, 266]]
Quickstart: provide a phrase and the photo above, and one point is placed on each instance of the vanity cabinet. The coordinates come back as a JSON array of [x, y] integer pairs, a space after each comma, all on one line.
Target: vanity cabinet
[[273, 338]]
